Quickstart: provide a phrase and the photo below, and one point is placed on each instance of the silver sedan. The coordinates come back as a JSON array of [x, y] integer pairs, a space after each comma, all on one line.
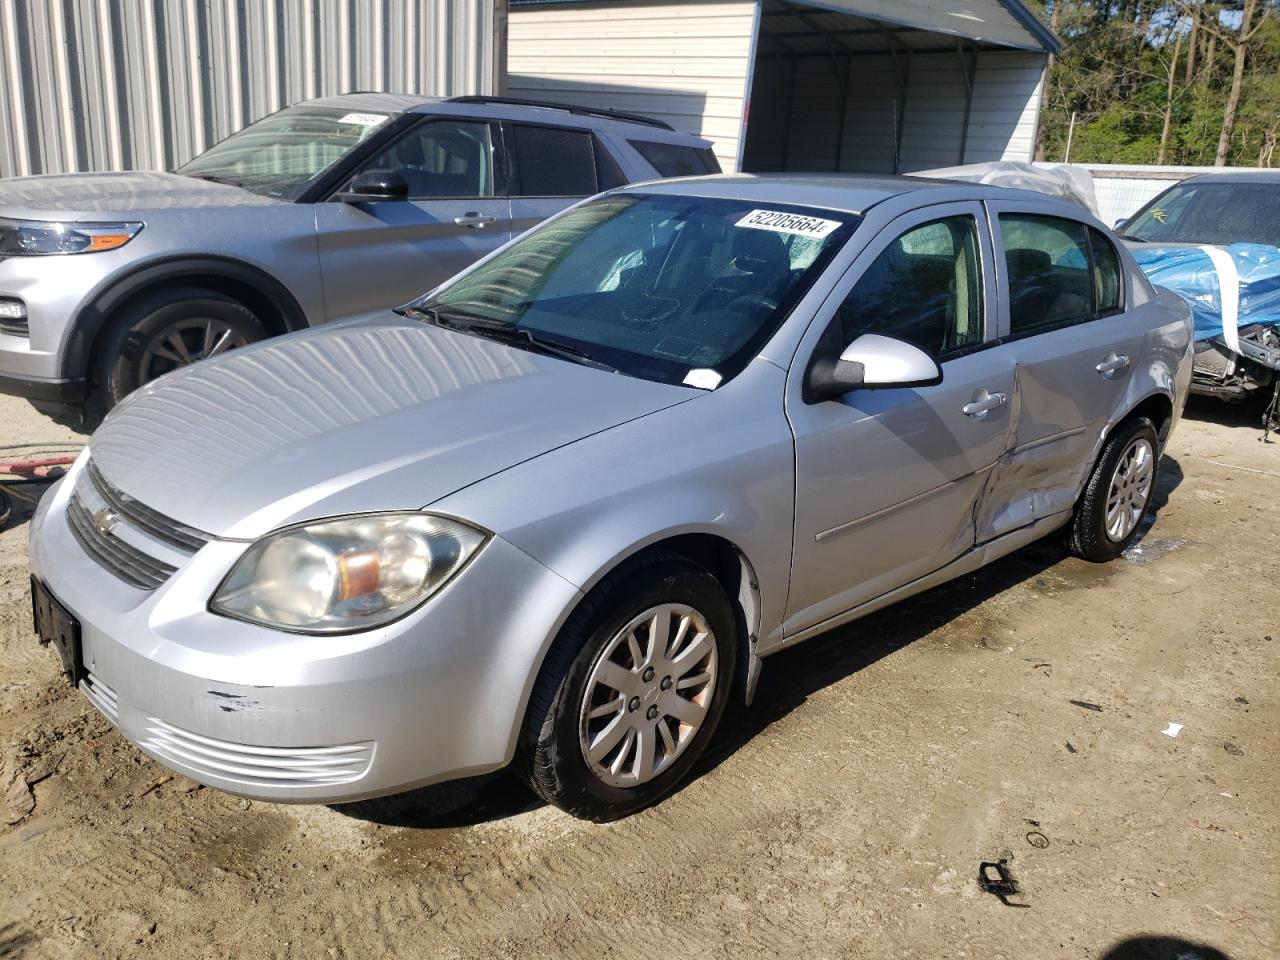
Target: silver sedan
[[558, 511]]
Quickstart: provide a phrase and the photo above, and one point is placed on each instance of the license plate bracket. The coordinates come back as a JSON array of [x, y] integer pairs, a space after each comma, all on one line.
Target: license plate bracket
[[55, 625]]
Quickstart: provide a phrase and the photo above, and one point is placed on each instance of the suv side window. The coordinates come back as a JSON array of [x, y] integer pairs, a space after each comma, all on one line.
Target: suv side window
[[1106, 272], [925, 288], [673, 160], [443, 158], [559, 162], [1051, 272]]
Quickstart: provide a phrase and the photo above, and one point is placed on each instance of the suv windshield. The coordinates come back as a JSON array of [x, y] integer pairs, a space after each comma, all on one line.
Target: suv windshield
[[281, 155], [660, 287], [1217, 212]]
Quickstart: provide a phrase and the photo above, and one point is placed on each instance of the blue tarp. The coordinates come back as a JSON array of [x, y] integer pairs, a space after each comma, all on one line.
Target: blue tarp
[[1190, 273]]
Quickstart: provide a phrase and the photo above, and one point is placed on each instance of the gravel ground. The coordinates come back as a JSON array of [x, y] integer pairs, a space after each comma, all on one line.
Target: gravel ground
[[844, 815]]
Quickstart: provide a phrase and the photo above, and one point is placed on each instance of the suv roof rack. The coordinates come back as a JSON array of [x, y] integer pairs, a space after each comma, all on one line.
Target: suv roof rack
[[568, 108]]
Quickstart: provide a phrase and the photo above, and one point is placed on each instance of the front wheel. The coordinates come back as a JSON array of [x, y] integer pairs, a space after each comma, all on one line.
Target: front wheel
[[1118, 495], [167, 330], [631, 690]]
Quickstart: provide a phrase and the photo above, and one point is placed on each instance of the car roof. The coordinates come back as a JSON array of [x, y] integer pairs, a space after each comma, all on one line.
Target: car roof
[[499, 108], [850, 193], [1244, 176]]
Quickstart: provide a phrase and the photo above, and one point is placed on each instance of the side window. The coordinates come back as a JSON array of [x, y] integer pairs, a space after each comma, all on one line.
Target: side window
[[925, 288], [709, 158], [442, 158], [1106, 272], [608, 173], [1051, 278], [554, 162], [672, 160]]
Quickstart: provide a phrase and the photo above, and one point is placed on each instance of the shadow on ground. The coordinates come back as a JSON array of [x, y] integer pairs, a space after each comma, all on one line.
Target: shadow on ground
[[1162, 948], [789, 679]]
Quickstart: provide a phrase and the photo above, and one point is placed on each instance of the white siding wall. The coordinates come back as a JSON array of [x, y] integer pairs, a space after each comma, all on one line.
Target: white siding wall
[[1006, 107], [801, 132], [685, 63]]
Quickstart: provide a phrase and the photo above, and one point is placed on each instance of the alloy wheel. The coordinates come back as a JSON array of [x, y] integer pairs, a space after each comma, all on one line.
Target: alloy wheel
[[647, 694], [185, 342], [1130, 489]]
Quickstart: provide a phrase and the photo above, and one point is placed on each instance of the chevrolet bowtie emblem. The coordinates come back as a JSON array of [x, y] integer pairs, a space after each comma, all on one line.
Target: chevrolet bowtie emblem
[[104, 521]]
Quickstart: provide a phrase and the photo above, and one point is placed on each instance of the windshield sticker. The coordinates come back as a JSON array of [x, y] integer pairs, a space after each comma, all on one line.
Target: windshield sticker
[[364, 119], [702, 378], [781, 222]]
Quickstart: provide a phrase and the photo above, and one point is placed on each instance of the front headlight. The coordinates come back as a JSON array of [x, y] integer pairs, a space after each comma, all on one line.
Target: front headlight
[[42, 238], [338, 576]]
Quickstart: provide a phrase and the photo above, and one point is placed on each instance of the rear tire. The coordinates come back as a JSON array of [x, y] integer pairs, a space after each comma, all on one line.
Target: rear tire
[[1117, 497], [599, 751], [167, 330]]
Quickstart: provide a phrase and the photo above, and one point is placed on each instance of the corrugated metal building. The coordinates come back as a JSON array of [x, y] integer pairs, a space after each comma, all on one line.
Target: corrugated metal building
[[147, 84], [885, 86]]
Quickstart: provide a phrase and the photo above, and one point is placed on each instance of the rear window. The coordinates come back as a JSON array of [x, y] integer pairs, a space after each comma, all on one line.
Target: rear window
[[1060, 272], [674, 160], [555, 162]]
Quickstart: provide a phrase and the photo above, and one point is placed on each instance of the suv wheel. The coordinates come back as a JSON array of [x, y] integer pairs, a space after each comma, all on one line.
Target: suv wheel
[[632, 689], [1118, 495], [167, 330]]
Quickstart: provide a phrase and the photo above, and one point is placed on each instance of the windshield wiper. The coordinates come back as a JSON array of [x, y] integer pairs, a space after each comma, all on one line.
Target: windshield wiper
[[504, 333], [213, 178]]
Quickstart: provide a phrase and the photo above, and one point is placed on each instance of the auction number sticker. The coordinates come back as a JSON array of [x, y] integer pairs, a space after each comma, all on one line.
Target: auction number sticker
[[364, 119], [780, 221]]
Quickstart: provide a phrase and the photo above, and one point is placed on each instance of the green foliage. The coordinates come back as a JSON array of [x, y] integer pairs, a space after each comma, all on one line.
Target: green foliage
[[1114, 75]]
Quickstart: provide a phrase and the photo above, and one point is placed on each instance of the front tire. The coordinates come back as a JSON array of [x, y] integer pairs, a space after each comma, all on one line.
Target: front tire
[[1116, 499], [167, 330], [632, 689]]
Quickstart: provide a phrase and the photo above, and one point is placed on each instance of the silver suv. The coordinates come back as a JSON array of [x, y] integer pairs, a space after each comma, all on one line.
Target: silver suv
[[559, 510], [325, 210]]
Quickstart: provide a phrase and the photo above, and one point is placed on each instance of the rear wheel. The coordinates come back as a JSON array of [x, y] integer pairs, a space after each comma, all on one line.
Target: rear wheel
[[168, 330], [1118, 495], [632, 689]]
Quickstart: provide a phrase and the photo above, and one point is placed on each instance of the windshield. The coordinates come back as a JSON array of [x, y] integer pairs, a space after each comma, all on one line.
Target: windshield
[[676, 289], [281, 155], [1219, 213]]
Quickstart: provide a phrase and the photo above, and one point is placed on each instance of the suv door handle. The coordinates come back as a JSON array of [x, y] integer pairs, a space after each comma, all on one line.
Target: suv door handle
[[1113, 364], [983, 403], [473, 219]]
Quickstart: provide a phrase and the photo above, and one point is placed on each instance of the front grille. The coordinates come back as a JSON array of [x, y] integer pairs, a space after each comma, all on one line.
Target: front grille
[[126, 562], [256, 766], [14, 328], [101, 696], [143, 517], [139, 545]]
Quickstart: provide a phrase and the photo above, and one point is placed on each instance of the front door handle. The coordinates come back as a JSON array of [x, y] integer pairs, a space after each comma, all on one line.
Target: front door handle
[[473, 220], [983, 403], [1112, 365]]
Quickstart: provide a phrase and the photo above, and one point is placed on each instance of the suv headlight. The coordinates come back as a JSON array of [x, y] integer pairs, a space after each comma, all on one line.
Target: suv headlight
[[42, 238], [339, 576]]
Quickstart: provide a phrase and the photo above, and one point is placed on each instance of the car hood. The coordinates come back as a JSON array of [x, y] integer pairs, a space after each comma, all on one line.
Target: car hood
[[86, 196], [386, 414]]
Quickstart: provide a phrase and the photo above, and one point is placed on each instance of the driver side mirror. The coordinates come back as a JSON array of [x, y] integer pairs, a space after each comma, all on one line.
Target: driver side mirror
[[872, 362], [373, 185], [1120, 224]]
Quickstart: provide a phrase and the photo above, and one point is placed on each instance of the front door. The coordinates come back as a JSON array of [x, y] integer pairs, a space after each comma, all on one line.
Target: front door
[[887, 481], [381, 254], [1074, 346]]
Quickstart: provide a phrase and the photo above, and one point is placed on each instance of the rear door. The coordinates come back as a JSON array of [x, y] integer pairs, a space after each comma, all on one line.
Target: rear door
[[1065, 328], [887, 481], [554, 167], [381, 254]]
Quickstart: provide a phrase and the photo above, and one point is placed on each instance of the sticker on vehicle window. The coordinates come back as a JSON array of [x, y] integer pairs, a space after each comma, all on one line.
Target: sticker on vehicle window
[[779, 221], [364, 119]]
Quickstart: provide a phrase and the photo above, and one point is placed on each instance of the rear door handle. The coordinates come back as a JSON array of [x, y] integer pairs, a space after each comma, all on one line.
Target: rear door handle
[[983, 403], [1113, 364], [473, 220]]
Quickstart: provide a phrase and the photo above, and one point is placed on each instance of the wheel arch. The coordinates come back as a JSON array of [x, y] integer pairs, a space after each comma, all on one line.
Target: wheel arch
[[262, 293]]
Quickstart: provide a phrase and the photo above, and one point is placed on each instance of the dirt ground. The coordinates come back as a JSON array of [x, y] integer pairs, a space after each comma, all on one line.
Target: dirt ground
[[844, 815]]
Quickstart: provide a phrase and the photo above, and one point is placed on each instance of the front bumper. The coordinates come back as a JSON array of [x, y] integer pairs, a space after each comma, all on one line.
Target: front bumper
[[275, 716]]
